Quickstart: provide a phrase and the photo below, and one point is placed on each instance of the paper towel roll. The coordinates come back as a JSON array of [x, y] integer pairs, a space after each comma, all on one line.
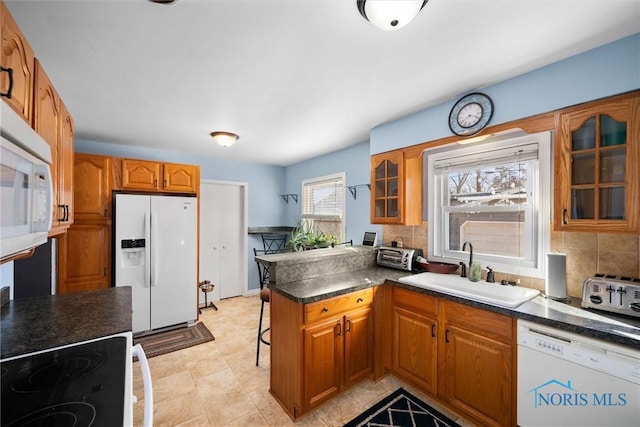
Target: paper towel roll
[[556, 281]]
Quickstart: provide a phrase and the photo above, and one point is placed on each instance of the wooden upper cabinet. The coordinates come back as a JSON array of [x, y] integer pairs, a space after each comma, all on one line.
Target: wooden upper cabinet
[[92, 190], [183, 178], [65, 162], [396, 189], [140, 175], [154, 176], [597, 177], [387, 187], [54, 124], [17, 61]]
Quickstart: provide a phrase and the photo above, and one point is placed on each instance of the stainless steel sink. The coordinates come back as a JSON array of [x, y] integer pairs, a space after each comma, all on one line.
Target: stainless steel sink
[[490, 293]]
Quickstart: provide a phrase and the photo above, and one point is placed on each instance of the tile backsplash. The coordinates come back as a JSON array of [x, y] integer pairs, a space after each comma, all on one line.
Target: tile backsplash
[[587, 254]]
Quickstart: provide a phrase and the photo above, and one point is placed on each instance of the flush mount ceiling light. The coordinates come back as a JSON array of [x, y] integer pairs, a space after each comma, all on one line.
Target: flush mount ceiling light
[[224, 139], [164, 1], [389, 15]]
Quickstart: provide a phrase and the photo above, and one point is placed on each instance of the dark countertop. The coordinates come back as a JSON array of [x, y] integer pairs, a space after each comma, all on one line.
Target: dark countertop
[[319, 288], [618, 329], [38, 323]]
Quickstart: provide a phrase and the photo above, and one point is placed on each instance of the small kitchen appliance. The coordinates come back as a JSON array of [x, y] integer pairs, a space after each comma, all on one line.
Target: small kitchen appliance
[[617, 294], [398, 258], [26, 188]]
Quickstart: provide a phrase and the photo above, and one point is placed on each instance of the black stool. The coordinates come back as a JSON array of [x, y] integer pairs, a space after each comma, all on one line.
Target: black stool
[[273, 243]]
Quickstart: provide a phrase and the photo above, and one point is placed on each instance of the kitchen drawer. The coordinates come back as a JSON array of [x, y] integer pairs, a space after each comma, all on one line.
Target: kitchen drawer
[[419, 303], [329, 307], [486, 323]]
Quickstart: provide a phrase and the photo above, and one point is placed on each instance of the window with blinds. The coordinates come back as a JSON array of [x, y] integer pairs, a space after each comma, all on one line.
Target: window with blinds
[[496, 196], [323, 203]]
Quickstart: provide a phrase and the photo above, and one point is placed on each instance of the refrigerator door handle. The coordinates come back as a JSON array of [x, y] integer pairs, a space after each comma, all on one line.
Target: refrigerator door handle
[[154, 235], [147, 250]]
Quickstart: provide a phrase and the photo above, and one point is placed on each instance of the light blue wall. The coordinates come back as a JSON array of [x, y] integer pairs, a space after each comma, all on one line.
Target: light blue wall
[[265, 183], [608, 70], [354, 161], [601, 72]]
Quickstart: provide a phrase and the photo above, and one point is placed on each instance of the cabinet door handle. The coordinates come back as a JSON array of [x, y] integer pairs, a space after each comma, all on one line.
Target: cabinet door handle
[[66, 213], [564, 216], [62, 218], [347, 327], [9, 93], [325, 309], [339, 328], [359, 300], [446, 336], [165, 182], [155, 183], [433, 330]]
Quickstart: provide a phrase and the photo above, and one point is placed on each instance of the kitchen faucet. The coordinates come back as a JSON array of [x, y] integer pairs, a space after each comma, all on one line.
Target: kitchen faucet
[[463, 270]]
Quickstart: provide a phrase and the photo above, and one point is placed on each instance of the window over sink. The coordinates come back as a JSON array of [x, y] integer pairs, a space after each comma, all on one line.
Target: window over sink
[[495, 194]]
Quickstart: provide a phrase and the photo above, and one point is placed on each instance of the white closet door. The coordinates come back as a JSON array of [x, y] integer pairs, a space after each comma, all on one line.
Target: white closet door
[[223, 236]]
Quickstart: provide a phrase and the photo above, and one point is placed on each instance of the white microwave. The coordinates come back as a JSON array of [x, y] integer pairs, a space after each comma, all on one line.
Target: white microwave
[[26, 190]]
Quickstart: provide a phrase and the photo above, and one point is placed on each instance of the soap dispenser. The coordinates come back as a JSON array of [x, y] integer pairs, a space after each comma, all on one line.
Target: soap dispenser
[[490, 276], [475, 272]]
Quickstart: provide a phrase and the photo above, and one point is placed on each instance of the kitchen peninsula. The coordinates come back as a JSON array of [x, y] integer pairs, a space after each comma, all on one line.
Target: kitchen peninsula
[[336, 316]]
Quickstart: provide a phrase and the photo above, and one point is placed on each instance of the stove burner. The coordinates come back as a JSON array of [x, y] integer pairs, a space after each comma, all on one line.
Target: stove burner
[[58, 372], [70, 414]]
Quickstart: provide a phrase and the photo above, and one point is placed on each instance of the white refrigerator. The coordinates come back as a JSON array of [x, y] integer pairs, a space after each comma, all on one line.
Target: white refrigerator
[[155, 252]]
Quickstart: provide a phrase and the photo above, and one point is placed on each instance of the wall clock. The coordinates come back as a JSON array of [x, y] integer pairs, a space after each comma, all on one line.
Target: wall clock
[[470, 114]]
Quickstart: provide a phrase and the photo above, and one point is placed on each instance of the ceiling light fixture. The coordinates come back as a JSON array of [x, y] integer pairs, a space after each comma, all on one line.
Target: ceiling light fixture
[[224, 139], [389, 15], [165, 2]]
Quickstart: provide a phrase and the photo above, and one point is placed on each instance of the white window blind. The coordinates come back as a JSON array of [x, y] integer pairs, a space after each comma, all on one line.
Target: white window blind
[[496, 196], [323, 201]]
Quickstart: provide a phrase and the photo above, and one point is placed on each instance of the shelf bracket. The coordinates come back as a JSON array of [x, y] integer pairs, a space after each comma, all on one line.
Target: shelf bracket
[[285, 197], [353, 189]]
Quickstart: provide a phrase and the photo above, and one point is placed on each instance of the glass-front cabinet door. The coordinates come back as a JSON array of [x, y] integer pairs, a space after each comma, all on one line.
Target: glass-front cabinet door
[[596, 167], [386, 187]]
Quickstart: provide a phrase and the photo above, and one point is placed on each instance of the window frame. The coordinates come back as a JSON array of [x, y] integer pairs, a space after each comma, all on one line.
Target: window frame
[[342, 176], [537, 232]]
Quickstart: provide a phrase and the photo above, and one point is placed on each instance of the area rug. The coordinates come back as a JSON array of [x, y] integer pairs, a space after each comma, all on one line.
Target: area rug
[[401, 409], [175, 339]]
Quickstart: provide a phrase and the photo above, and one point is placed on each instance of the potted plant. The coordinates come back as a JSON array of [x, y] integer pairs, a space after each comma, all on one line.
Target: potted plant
[[303, 237]]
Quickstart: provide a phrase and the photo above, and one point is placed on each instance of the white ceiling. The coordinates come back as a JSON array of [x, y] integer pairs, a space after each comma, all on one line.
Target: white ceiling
[[294, 78]]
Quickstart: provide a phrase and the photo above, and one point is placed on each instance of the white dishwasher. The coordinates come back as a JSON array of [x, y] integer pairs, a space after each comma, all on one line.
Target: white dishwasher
[[566, 379]]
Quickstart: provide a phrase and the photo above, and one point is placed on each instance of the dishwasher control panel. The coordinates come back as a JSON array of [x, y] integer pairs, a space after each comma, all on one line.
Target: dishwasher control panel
[[594, 354]]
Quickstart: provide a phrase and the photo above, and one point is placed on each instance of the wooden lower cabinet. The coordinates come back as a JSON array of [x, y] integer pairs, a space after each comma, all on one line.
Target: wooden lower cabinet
[[477, 363], [414, 348], [461, 355], [477, 376], [319, 349], [84, 258], [414, 342], [323, 350]]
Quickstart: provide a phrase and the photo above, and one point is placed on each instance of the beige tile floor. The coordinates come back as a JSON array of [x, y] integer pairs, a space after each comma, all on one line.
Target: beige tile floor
[[218, 384]]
